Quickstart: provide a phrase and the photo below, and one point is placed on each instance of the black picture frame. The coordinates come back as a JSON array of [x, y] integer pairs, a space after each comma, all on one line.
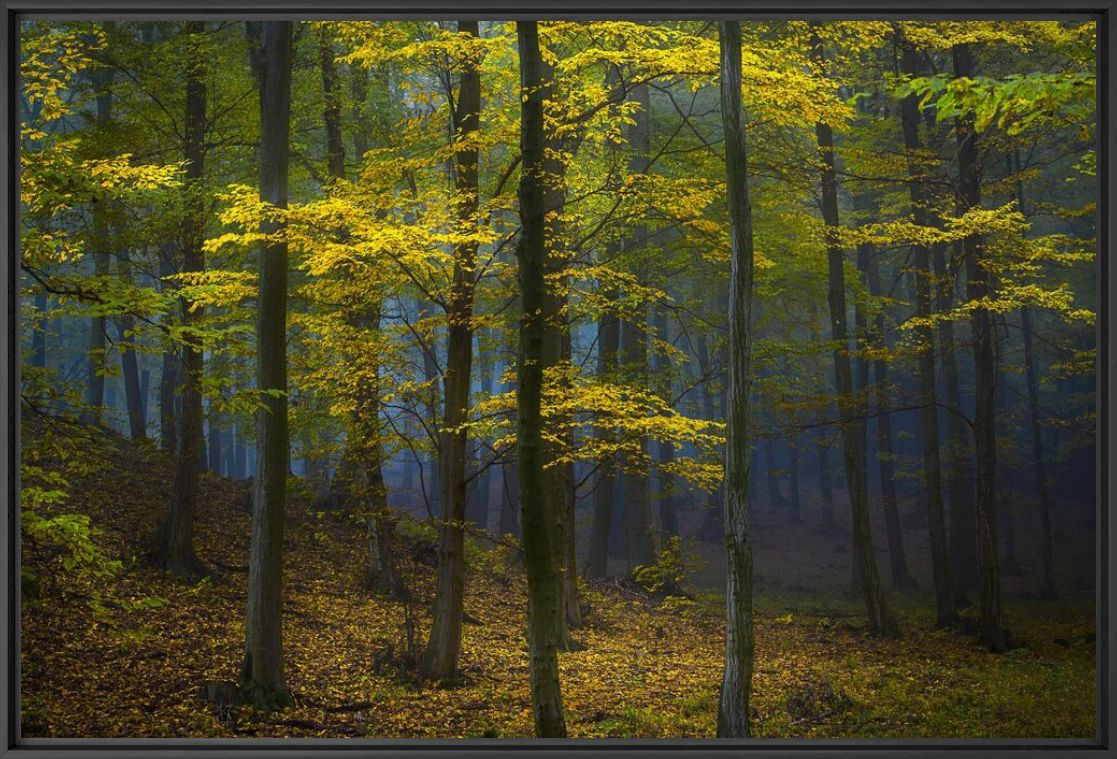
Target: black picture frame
[[14, 11]]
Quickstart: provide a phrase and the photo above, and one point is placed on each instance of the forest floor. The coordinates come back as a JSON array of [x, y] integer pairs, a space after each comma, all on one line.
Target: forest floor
[[649, 667]]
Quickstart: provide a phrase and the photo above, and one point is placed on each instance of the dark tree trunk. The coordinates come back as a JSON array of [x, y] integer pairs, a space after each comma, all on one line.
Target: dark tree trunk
[[129, 365], [102, 79], [776, 501], [39, 336], [668, 515], [993, 634], [897, 556], [850, 410], [1039, 461], [239, 457], [825, 484], [608, 341], [712, 528], [634, 354], [215, 447], [178, 531], [963, 544], [542, 550], [331, 113], [168, 379], [736, 684], [262, 672], [945, 610], [796, 500], [440, 660]]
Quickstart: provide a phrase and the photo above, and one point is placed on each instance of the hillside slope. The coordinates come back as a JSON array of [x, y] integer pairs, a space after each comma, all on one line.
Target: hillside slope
[[649, 667]]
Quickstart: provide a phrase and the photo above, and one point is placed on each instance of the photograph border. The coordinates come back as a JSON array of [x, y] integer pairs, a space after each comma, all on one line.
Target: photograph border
[[14, 11]]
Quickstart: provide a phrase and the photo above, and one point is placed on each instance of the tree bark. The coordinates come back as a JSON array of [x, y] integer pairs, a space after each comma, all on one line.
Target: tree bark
[[129, 364], [331, 112], [608, 342], [440, 660], [736, 684], [945, 611], [178, 531], [963, 545], [1039, 460], [897, 556], [993, 634], [542, 551], [634, 353], [262, 673], [102, 79], [850, 410]]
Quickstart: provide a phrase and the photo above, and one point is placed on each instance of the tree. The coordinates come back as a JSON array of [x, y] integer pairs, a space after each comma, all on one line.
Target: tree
[[993, 634], [178, 529], [736, 684], [542, 553], [440, 662], [262, 672], [932, 466], [850, 409]]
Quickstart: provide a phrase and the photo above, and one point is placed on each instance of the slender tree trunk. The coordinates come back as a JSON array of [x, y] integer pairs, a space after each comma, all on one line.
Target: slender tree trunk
[[129, 365], [850, 410], [440, 660], [1039, 464], [712, 528], [825, 484], [897, 556], [102, 80], [668, 515], [796, 501], [331, 112], [963, 545], [736, 684], [542, 551], [993, 634], [608, 340], [214, 449], [945, 610], [634, 353], [1039, 461], [39, 336], [178, 531], [168, 379], [262, 673]]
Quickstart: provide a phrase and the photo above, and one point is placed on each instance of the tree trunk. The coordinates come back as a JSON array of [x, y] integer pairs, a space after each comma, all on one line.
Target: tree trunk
[[542, 550], [897, 556], [825, 484], [262, 672], [945, 610], [1039, 461], [440, 660], [178, 532], [608, 341], [102, 79], [850, 410], [129, 365], [634, 353], [993, 634], [796, 502], [168, 378], [736, 684], [712, 528], [331, 112], [963, 545]]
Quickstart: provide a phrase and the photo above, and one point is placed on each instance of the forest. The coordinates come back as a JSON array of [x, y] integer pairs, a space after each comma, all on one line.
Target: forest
[[679, 379]]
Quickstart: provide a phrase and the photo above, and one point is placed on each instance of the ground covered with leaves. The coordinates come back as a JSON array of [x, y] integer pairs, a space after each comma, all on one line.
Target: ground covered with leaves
[[139, 662]]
